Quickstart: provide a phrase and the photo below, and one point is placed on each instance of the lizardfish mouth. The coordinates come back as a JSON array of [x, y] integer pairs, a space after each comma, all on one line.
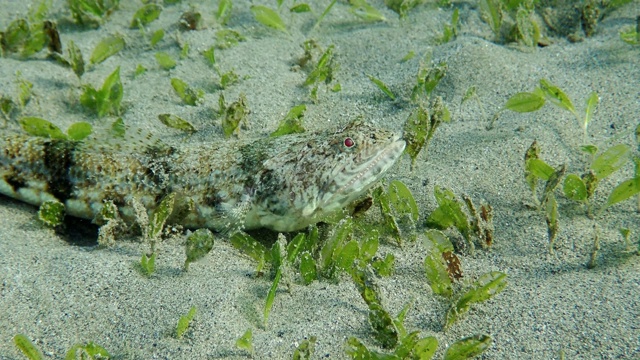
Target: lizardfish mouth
[[358, 180]]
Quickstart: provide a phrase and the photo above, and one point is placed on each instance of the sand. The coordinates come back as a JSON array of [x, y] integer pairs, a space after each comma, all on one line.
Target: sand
[[62, 289]]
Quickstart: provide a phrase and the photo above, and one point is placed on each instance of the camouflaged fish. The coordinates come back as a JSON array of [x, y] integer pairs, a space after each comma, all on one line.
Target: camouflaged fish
[[281, 183]]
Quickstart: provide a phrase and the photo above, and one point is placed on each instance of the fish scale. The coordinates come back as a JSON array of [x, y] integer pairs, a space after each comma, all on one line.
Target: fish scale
[[281, 183]]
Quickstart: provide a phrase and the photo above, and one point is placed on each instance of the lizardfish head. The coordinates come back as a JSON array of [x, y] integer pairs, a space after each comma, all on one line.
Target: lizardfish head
[[322, 173]]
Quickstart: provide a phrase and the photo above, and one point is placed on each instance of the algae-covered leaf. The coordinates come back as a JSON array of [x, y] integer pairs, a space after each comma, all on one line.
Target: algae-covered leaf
[[226, 38], [199, 244], [160, 216], [574, 188], [305, 349], [210, 56], [402, 7], [189, 95], [364, 11], [524, 102], [592, 102], [277, 251], [384, 330], [88, 351], [382, 86], [76, 61], [148, 264], [384, 267], [369, 245], [156, 37], [107, 99], [330, 250], [435, 268], [139, 70], [557, 96], [245, 342], [228, 78], [292, 122], [468, 347], [324, 69], [402, 199], [551, 217], [79, 130], [184, 321], [416, 129], [145, 15], [110, 94], [91, 12], [427, 79], [308, 269], [438, 240], [357, 350], [630, 35], [492, 14], [484, 288], [295, 246], [16, 35], [539, 169], [346, 256], [623, 191], [118, 128], [425, 348], [176, 122], [390, 223], [7, 106], [25, 88], [448, 213], [165, 61], [610, 161], [224, 11], [300, 8], [324, 13], [250, 247], [41, 127], [25, 345], [589, 149], [410, 55], [268, 17], [106, 48], [311, 240], [406, 344], [234, 115]]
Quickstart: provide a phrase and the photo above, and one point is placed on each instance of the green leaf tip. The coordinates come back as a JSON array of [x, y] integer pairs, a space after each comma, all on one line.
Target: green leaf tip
[[145, 15], [199, 244], [484, 288], [245, 342], [468, 347], [107, 99], [107, 47], [292, 122], [184, 321], [176, 122], [382, 86], [268, 17], [88, 351], [189, 95], [41, 127], [25, 345]]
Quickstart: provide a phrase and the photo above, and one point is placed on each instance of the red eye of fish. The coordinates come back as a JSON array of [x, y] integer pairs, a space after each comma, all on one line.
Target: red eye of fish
[[348, 142]]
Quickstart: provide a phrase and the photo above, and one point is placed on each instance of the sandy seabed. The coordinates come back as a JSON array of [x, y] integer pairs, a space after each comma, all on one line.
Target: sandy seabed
[[60, 292]]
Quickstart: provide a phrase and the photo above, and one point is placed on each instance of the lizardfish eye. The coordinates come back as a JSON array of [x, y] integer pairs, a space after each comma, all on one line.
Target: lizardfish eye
[[348, 142]]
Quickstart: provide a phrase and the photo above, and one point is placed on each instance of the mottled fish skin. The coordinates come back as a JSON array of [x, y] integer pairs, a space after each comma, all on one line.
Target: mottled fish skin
[[283, 183]]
